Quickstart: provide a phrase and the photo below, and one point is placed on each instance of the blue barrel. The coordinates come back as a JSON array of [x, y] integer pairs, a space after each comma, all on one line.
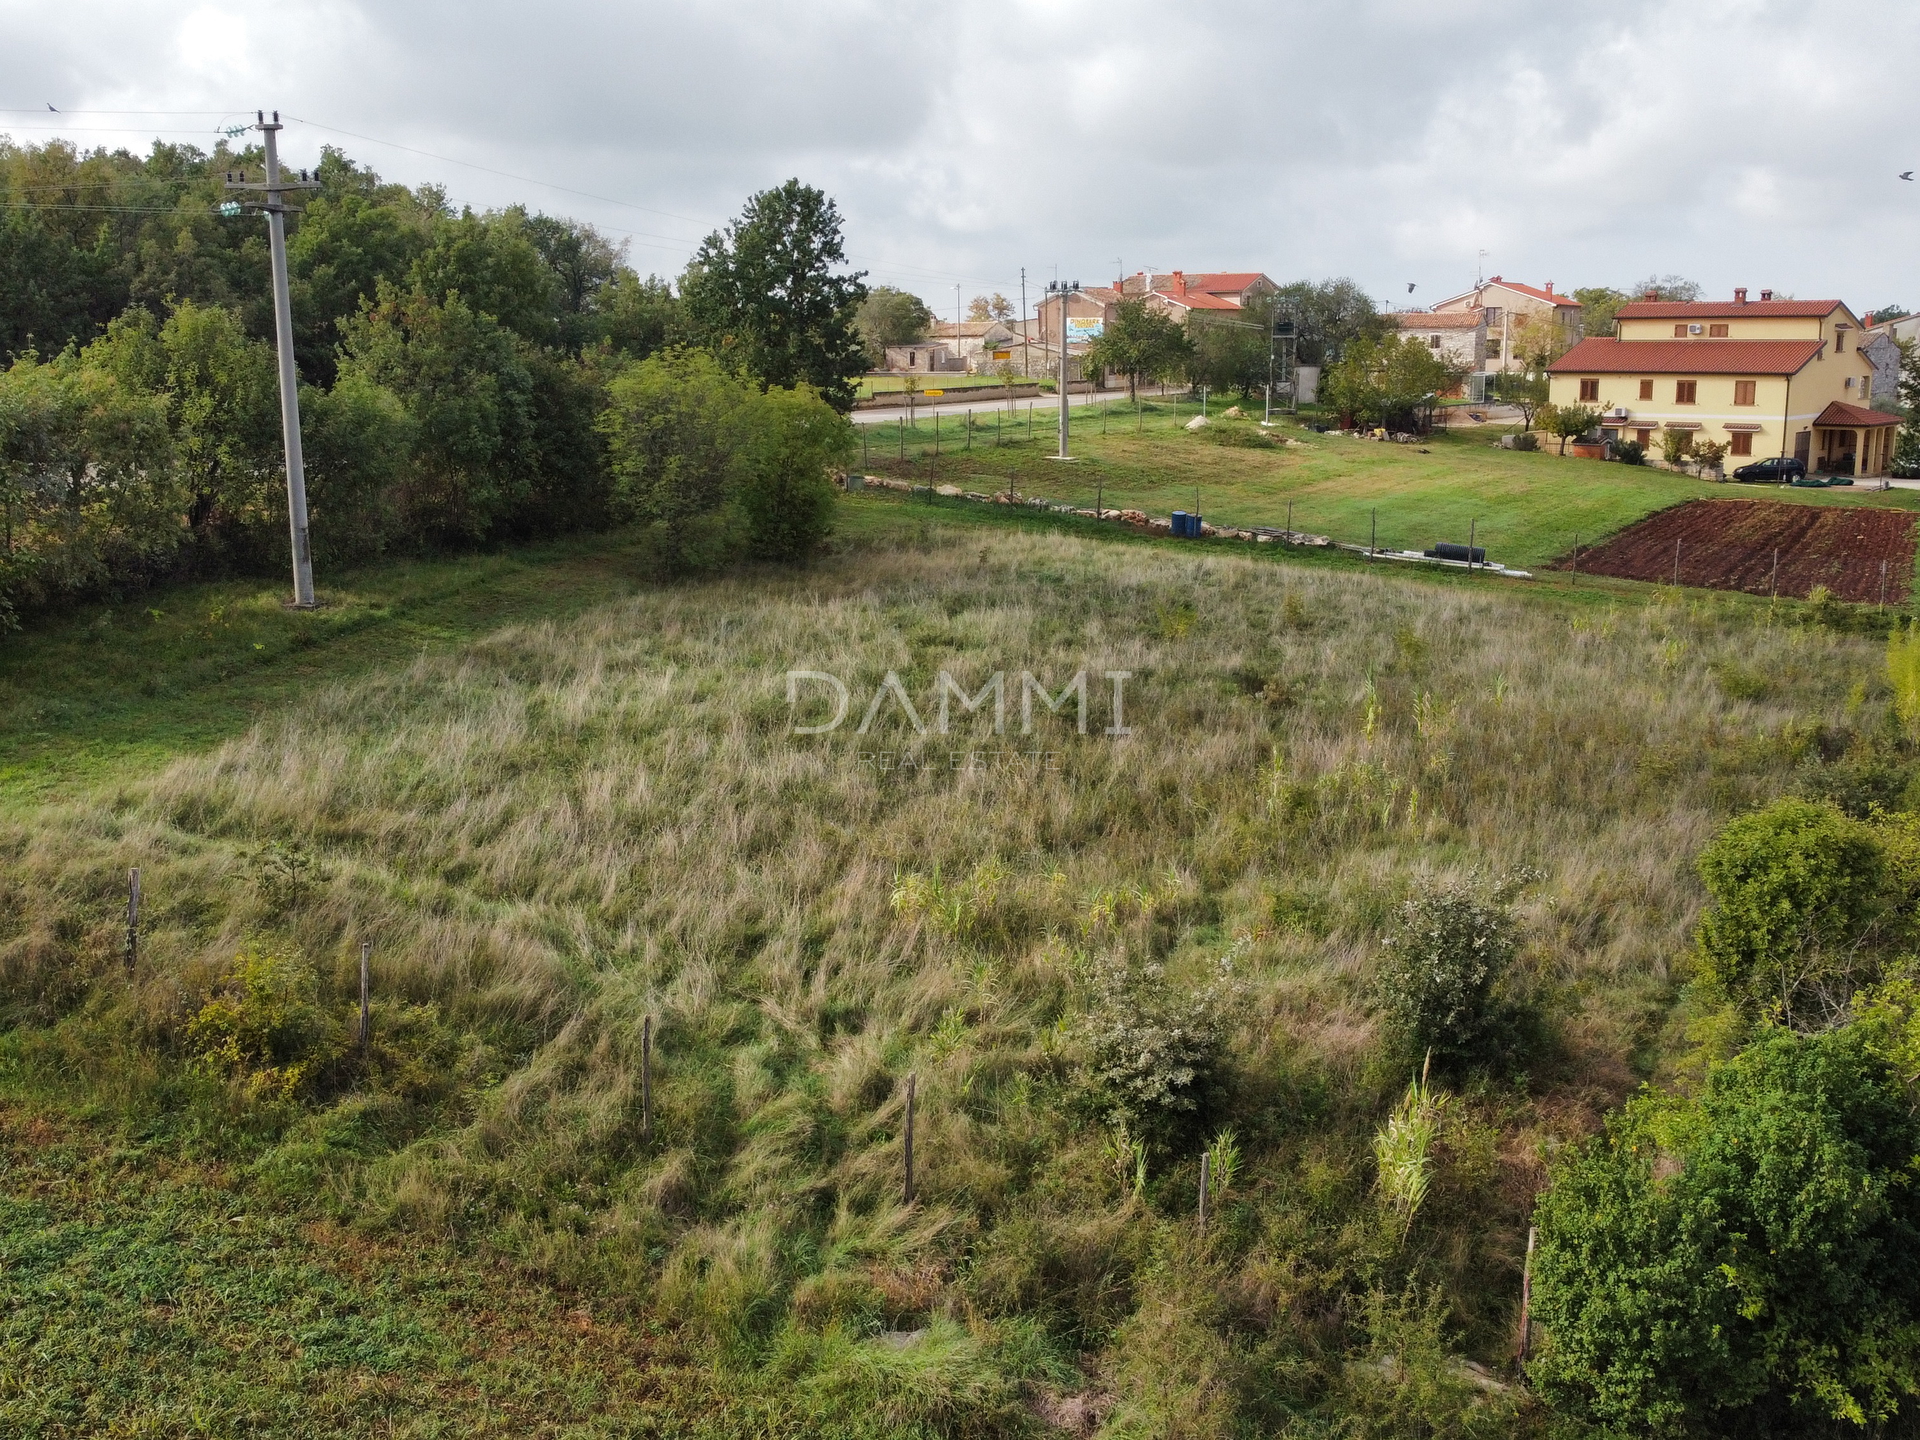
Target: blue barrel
[[1180, 519]]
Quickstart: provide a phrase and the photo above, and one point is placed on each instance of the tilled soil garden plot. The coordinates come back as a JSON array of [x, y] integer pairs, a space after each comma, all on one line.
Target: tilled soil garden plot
[[1731, 544]]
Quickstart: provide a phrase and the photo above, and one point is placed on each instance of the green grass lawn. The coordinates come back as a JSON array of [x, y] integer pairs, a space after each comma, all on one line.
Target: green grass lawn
[[1526, 508]]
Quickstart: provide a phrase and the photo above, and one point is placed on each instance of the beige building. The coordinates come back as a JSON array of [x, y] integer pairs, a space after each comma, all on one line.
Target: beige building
[[1510, 309], [1768, 377]]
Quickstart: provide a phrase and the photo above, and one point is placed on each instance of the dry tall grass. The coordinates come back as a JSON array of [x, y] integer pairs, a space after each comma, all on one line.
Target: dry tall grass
[[559, 831]]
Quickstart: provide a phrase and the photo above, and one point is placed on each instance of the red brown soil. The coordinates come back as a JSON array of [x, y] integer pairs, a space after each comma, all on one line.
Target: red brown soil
[[1730, 544]]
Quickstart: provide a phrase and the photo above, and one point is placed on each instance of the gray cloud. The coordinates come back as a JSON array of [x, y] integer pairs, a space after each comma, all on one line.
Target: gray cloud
[[1737, 141]]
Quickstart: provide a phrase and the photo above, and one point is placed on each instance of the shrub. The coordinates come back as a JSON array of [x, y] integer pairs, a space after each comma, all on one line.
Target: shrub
[[1744, 1264], [1153, 1051], [263, 1027], [787, 491], [1630, 452], [1796, 889], [1445, 958]]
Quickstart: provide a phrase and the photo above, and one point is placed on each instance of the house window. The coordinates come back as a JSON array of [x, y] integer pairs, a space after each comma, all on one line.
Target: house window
[[1684, 392], [1434, 341], [1589, 390], [1840, 339], [1645, 437], [1646, 389], [1716, 332], [1741, 442], [1743, 392], [1493, 314], [1680, 331]]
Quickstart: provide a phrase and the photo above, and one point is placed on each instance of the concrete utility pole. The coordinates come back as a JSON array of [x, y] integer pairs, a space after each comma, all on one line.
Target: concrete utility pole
[[1061, 290], [276, 212], [1026, 353]]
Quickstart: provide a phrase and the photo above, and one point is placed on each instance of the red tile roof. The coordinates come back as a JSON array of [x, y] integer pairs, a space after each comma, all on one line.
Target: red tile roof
[[1547, 295], [1841, 413], [1725, 309], [1197, 300], [1439, 319], [1686, 357], [1223, 281]]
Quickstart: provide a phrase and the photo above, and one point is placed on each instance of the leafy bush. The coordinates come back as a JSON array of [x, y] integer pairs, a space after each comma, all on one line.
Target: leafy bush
[[1630, 452], [1153, 1051], [1797, 890], [787, 492], [1445, 958], [263, 1027], [1743, 1264]]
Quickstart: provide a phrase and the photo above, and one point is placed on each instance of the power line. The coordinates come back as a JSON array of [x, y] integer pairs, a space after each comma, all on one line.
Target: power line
[[945, 276], [42, 110]]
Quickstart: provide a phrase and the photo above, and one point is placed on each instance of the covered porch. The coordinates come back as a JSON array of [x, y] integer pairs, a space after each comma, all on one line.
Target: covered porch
[[1848, 440]]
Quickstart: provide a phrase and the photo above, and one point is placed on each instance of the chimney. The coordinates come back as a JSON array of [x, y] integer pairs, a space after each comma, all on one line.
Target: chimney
[[1179, 282], [1549, 287], [1739, 294], [1766, 294], [1652, 295]]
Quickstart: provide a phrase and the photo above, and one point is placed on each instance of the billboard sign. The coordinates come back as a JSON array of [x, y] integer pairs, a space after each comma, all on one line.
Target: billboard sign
[[1083, 328]]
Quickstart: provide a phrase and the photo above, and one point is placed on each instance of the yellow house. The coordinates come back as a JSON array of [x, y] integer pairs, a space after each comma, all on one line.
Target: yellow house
[[1768, 377]]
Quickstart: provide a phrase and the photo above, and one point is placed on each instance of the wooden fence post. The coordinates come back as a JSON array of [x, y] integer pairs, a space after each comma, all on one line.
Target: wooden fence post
[[366, 996], [133, 917], [1526, 1301], [1206, 1166], [909, 1145], [646, 1078]]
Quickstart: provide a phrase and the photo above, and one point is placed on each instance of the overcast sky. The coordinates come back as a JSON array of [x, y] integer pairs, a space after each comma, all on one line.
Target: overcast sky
[[1738, 142]]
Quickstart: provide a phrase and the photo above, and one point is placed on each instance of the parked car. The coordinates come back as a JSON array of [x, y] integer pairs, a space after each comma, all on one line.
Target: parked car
[[1777, 470]]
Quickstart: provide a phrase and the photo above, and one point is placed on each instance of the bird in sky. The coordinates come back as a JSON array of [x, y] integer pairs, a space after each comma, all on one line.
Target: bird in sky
[[1906, 174], [1409, 287], [50, 107]]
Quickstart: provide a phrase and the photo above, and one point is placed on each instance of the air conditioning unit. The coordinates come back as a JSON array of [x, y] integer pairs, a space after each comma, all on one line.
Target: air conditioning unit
[[1695, 330], [1619, 412]]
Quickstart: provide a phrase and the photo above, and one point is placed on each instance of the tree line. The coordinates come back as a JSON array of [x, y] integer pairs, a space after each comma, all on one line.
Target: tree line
[[465, 378]]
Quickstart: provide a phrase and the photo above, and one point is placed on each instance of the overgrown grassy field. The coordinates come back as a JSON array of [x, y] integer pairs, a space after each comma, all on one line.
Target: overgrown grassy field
[[561, 799], [1526, 508]]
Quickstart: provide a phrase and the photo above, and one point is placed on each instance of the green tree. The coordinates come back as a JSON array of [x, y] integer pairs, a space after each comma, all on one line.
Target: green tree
[[1906, 445], [584, 265], [1141, 344], [1328, 316], [342, 246], [786, 489], [1598, 305], [1569, 422], [359, 442], [675, 426], [639, 317], [1525, 391], [492, 264], [1743, 1264], [891, 317], [1393, 382], [1797, 892], [1665, 287], [460, 376], [766, 299]]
